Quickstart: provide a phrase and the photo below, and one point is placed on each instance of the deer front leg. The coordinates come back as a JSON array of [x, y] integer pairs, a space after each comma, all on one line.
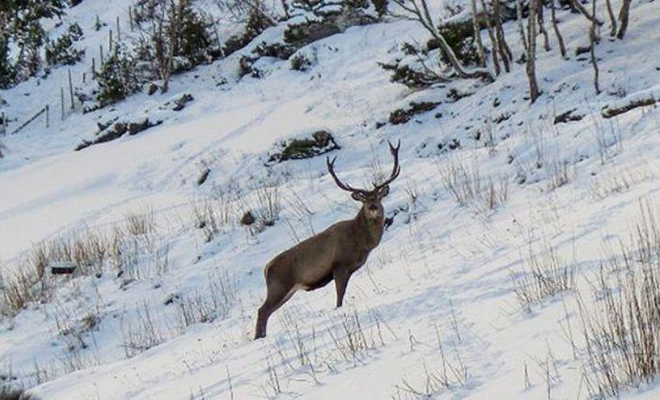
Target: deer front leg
[[341, 276]]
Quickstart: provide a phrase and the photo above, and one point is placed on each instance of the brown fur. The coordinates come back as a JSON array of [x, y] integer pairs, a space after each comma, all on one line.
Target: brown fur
[[334, 254]]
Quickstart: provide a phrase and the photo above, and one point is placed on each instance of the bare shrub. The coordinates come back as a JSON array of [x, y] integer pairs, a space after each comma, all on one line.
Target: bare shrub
[[544, 275], [464, 183], [13, 393], [20, 289], [140, 333], [75, 321], [210, 215], [622, 334], [495, 194], [78, 359], [452, 373], [215, 301], [559, 174], [268, 205], [142, 257], [608, 139], [140, 223], [460, 180], [617, 180]]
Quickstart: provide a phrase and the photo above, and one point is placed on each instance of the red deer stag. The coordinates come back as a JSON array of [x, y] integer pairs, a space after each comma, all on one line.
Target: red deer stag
[[334, 254]]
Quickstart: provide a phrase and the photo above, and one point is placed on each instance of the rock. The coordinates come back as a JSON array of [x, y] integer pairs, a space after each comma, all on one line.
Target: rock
[[321, 142], [247, 219], [152, 89], [180, 103]]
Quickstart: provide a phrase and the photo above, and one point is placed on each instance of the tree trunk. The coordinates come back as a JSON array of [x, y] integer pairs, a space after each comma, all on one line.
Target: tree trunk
[[477, 36], [530, 69], [493, 41], [560, 39], [610, 12], [423, 16], [593, 39], [546, 38], [521, 26], [578, 6], [505, 51], [623, 18]]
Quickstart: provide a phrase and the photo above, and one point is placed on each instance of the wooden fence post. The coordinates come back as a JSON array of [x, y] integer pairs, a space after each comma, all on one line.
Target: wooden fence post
[[73, 106], [62, 101]]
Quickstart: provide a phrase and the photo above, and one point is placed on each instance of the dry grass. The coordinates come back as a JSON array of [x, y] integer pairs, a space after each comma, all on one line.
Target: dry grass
[[10, 393], [466, 186], [544, 275], [622, 334], [215, 301], [140, 332], [618, 180]]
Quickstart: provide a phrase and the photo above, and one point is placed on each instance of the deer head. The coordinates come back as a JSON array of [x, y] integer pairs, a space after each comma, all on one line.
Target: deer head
[[372, 206]]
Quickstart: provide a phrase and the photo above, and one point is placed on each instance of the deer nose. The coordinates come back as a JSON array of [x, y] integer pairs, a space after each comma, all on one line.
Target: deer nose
[[373, 207]]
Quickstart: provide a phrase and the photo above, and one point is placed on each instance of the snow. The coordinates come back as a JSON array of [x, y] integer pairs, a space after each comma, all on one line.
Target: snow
[[439, 286]]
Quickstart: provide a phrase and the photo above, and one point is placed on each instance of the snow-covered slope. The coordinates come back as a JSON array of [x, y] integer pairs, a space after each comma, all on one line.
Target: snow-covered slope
[[434, 312]]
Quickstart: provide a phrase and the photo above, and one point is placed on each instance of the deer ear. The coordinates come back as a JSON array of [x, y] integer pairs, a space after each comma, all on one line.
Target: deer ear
[[384, 191], [357, 196]]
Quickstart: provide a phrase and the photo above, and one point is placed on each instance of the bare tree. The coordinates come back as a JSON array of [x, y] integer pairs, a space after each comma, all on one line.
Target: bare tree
[[521, 26], [477, 35], [534, 91], [505, 51], [560, 39], [610, 13], [493, 39], [591, 17], [417, 10], [240, 10], [593, 38], [546, 38], [623, 18]]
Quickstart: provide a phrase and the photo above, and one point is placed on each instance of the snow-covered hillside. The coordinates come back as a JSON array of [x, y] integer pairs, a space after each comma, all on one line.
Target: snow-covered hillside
[[510, 230]]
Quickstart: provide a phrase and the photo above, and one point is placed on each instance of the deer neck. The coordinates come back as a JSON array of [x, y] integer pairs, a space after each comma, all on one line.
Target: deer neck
[[371, 228]]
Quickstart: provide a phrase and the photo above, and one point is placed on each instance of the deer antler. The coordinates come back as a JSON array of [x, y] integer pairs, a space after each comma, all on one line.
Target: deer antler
[[342, 185], [396, 170]]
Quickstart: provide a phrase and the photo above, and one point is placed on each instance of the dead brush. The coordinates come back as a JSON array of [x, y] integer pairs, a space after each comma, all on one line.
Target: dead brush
[[543, 276], [613, 181], [352, 339], [211, 215], [622, 334], [140, 223], [215, 301], [559, 173], [140, 332], [268, 206], [449, 375], [22, 287], [74, 322], [462, 181], [465, 184], [13, 393]]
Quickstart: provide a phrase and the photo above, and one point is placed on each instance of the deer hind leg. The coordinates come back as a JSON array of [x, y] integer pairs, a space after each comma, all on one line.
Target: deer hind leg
[[277, 295]]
